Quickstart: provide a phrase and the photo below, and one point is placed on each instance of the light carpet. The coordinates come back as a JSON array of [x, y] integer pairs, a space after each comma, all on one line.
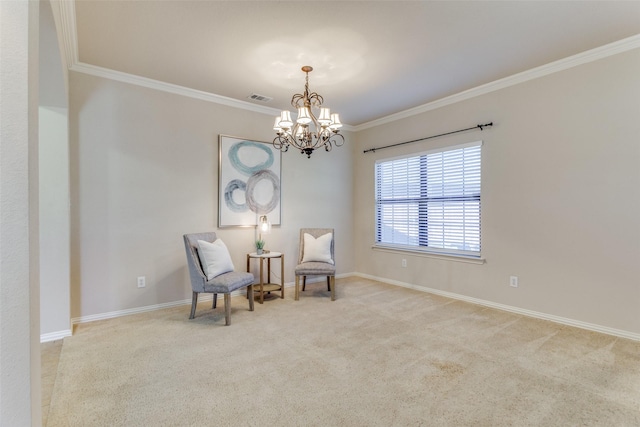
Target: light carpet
[[379, 355]]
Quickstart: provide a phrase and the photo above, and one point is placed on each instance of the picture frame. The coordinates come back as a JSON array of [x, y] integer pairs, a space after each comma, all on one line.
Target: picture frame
[[249, 182]]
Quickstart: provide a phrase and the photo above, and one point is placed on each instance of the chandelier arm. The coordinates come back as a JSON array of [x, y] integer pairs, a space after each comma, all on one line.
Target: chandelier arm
[[314, 120], [317, 98], [282, 142], [331, 140], [339, 142], [296, 99], [307, 100]]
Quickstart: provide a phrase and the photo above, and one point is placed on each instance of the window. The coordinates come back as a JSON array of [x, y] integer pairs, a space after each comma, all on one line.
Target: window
[[430, 201]]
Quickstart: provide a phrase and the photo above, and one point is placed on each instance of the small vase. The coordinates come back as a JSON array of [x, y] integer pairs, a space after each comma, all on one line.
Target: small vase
[[259, 251]]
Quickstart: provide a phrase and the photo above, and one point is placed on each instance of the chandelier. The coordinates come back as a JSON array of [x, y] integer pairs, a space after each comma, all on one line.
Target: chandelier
[[308, 132]]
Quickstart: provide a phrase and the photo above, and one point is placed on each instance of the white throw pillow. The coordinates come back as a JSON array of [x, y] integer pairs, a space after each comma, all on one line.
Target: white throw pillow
[[214, 258], [317, 249]]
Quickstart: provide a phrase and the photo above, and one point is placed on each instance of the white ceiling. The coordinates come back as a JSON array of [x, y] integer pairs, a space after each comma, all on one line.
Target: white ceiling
[[370, 58]]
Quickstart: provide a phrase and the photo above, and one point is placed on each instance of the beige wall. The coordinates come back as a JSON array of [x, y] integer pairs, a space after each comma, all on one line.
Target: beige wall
[[54, 223], [560, 195], [53, 183], [559, 205], [144, 168], [20, 399]]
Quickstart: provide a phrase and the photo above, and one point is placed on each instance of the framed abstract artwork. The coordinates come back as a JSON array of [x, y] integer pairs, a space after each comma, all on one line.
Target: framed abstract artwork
[[248, 182]]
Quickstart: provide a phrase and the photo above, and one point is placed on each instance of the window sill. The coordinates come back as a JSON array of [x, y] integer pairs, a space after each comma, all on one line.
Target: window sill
[[428, 254]]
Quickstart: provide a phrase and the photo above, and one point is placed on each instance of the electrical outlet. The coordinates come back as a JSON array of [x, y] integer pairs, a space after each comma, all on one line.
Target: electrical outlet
[[513, 281], [142, 282], [404, 262]]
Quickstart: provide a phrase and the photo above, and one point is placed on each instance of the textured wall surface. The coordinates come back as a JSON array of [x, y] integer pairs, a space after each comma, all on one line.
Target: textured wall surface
[[19, 264]]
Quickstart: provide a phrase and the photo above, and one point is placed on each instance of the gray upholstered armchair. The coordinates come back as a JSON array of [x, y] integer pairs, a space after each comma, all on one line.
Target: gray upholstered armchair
[[319, 259], [222, 284]]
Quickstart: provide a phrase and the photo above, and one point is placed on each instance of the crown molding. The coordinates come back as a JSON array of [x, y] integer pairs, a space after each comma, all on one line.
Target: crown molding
[[176, 89], [170, 88], [67, 15], [614, 48], [64, 12]]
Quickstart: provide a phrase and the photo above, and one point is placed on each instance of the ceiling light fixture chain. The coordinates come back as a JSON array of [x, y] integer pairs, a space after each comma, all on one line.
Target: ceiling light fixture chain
[[309, 132]]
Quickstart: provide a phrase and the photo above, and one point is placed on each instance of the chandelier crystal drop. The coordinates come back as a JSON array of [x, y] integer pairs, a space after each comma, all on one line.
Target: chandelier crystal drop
[[310, 131]]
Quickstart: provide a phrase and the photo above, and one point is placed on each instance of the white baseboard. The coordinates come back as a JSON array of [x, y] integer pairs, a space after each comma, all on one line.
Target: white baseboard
[[205, 297], [53, 336], [517, 310], [119, 313]]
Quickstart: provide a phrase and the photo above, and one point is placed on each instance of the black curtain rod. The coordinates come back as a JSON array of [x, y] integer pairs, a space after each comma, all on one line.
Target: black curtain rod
[[481, 127]]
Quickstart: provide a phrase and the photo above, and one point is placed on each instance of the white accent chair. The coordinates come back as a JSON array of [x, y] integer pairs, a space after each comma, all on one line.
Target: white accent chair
[[223, 284], [316, 268]]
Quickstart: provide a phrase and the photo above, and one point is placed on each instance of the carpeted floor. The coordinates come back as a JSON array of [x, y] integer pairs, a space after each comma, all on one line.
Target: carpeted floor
[[379, 355]]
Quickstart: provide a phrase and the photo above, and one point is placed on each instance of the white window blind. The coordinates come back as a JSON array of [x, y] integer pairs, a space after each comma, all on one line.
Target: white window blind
[[431, 201]]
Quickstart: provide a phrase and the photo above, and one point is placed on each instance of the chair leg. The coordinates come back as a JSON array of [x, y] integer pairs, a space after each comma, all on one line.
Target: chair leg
[[328, 283], [333, 288], [304, 282], [250, 296], [227, 309], [297, 291], [215, 300], [194, 302]]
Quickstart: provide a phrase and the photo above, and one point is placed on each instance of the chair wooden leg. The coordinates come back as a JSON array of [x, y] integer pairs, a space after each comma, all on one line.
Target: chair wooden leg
[[297, 291], [194, 302], [282, 276], [304, 282], [215, 300], [328, 283], [333, 288], [227, 309], [250, 296]]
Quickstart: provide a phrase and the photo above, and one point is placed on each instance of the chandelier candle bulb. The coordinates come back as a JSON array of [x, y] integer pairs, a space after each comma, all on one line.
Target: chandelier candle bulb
[[303, 116], [285, 120], [276, 125], [325, 117], [335, 122]]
